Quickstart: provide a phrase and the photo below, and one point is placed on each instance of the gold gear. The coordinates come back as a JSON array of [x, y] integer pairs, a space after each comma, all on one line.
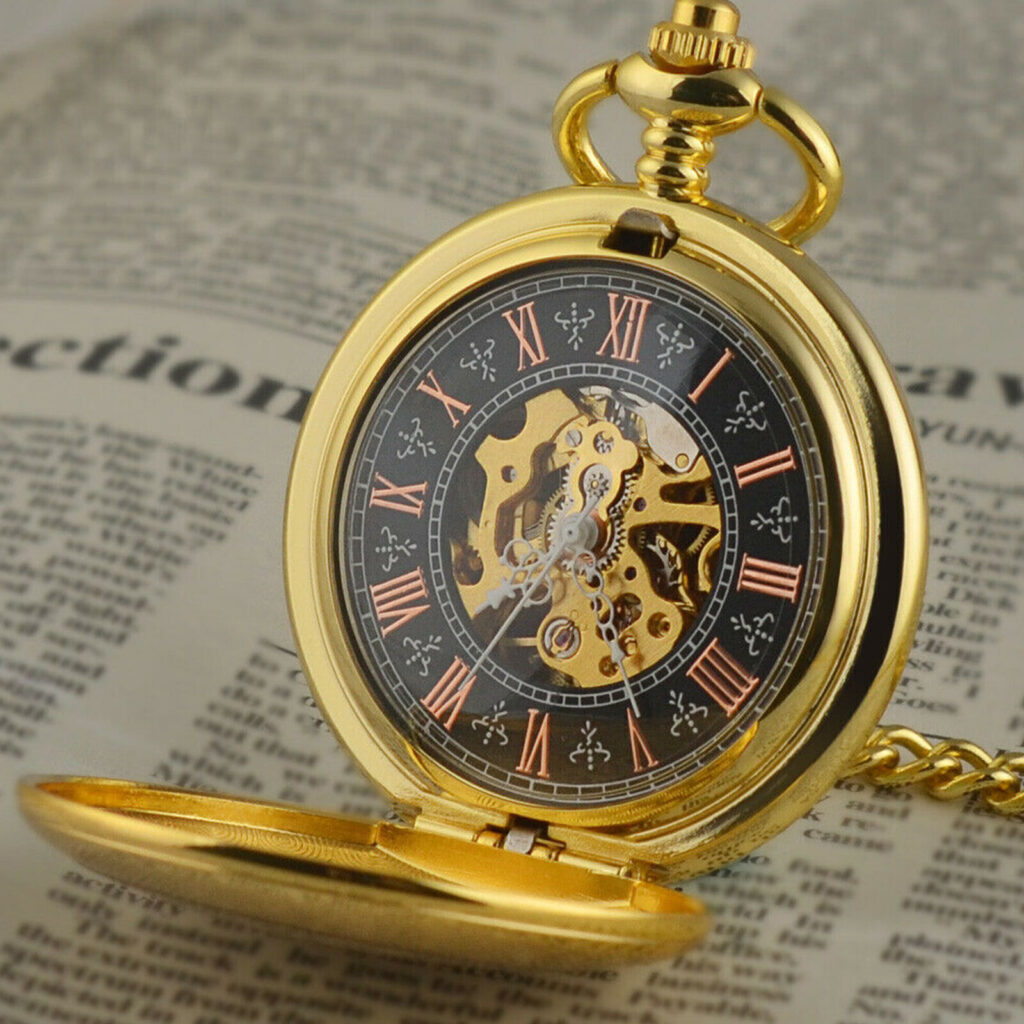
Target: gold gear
[[651, 617], [652, 518], [516, 469]]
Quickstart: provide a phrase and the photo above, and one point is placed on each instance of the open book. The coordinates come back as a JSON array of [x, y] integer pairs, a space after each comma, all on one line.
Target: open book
[[195, 201]]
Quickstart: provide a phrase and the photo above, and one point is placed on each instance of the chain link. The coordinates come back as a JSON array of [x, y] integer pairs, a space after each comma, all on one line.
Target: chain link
[[947, 769]]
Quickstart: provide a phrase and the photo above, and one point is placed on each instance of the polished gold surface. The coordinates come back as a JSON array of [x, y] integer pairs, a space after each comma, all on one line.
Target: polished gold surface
[[700, 35], [692, 87], [570, 124], [719, 16], [657, 527], [381, 885], [947, 769], [516, 883], [875, 564]]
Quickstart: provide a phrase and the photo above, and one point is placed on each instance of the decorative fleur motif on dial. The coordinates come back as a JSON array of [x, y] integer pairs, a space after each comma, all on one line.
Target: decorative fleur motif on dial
[[672, 341], [391, 548], [480, 359], [685, 714], [586, 593], [590, 748], [574, 323], [420, 652], [492, 725], [756, 631], [416, 441], [750, 415], [779, 521]]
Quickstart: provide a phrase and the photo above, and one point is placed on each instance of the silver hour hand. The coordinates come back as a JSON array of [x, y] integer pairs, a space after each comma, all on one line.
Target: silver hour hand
[[523, 575], [496, 596]]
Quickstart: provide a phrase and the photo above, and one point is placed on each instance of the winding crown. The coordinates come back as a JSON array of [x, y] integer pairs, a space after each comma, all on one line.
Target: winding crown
[[701, 36]]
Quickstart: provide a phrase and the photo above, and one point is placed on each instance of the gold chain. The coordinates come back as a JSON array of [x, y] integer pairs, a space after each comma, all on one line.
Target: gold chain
[[947, 769]]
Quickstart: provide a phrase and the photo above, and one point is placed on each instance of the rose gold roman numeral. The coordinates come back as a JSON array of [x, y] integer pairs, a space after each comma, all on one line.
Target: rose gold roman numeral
[[722, 678], [452, 406], [766, 466], [770, 578], [625, 345], [536, 742], [530, 348], [715, 370], [395, 601], [643, 759], [450, 693], [400, 497]]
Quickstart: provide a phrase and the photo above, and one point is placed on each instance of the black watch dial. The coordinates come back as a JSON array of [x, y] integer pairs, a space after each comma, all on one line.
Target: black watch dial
[[580, 534]]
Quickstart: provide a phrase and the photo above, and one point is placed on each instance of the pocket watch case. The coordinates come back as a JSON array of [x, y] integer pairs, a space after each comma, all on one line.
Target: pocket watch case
[[865, 605], [379, 884], [659, 579]]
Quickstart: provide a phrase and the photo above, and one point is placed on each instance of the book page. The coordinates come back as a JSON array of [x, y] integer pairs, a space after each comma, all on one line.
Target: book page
[[195, 202]]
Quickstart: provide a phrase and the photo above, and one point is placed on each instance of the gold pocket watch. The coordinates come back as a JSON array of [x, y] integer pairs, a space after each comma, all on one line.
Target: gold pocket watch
[[605, 545]]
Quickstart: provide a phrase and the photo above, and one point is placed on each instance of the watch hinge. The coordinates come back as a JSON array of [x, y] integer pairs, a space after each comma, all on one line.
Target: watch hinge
[[529, 837], [642, 233], [521, 837]]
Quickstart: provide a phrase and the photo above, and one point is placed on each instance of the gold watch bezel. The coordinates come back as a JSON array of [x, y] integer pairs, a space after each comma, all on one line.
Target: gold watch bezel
[[869, 604]]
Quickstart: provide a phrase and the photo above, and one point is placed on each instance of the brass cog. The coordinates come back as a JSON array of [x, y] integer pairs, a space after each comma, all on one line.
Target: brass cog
[[559, 503], [657, 529]]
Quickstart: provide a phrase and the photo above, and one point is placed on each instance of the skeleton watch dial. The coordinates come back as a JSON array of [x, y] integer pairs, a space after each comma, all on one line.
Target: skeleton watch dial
[[580, 533]]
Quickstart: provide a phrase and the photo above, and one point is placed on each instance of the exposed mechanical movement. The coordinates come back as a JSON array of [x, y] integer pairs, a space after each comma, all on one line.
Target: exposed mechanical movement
[[617, 595]]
